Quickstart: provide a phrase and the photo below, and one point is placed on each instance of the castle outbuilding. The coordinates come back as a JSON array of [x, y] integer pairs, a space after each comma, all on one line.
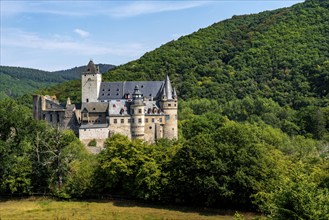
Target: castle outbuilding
[[144, 110]]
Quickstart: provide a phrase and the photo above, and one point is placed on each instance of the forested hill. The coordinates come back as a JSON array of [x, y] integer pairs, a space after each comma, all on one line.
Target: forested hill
[[281, 54], [271, 67], [16, 81]]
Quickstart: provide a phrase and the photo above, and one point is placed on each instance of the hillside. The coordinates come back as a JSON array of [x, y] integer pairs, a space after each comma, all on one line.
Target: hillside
[[281, 54], [271, 67], [17, 81]]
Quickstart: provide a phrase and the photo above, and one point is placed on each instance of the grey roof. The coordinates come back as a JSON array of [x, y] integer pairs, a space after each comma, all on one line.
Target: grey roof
[[86, 126], [117, 90], [94, 107], [168, 88], [115, 107], [91, 68]]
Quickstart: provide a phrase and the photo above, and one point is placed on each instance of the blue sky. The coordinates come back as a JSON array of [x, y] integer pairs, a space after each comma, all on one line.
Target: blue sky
[[56, 35]]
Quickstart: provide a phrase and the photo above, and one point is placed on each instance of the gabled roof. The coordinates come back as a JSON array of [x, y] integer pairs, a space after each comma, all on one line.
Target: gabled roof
[[117, 90], [94, 107]]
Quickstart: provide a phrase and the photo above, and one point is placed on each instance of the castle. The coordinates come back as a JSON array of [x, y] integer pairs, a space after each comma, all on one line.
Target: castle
[[144, 110]]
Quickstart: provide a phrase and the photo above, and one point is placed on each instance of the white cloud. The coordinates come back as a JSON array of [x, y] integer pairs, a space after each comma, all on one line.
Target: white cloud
[[149, 7], [31, 41], [82, 33]]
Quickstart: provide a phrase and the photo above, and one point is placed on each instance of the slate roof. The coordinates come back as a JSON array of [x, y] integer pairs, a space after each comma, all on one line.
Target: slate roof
[[93, 107], [117, 90]]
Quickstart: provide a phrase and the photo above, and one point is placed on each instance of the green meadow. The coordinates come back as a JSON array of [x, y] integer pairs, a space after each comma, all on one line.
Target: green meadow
[[122, 210]]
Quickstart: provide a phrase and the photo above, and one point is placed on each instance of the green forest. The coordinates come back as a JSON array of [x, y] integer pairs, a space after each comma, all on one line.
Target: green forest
[[253, 124], [18, 81]]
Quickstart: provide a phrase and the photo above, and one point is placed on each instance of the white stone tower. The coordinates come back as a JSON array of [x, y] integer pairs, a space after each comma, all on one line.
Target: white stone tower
[[137, 115], [90, 83], [169, 105]]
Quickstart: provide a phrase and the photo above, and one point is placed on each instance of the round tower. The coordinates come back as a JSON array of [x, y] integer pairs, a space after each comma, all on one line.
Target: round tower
[[91, 80], [169, 106], [137, 115]]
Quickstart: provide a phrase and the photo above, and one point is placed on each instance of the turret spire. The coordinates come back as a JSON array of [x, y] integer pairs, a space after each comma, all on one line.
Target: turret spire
[[168, 88], [174, 95]]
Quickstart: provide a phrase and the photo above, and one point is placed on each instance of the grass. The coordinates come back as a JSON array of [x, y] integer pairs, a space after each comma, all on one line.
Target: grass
[[43, 208]]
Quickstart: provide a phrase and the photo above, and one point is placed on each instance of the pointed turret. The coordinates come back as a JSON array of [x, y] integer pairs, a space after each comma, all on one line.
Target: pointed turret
[[137, 93], [174, 95], [168, 88], [164, 93]]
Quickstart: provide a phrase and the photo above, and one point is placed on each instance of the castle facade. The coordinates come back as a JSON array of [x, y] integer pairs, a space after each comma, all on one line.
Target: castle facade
[[144, 110]]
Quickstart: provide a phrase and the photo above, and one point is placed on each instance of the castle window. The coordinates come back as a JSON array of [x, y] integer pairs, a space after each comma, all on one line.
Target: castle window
[[51, 118], [175, 105], [169, 105], [142, 86], [102, 94], [122, 121], [132, 111], [115, 121], [109, 94], [94, 108], [167, 117], [103, 90], [150, 94], [133, 121], [139, 120], [140, 111], [109, 90], [129, 120], [87, 100], [146, 120], [152, 119], [150, 127], [117, 93], [118, 89], [57, 118], [114, 106], [173, 129], [160, 119]]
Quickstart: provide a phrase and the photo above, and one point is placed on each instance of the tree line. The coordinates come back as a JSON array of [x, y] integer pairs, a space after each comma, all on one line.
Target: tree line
[[217, 162]]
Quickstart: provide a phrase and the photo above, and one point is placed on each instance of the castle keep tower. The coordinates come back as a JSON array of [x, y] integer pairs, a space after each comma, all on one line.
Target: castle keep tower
[[137, 115], [90, 83], [169, 105]]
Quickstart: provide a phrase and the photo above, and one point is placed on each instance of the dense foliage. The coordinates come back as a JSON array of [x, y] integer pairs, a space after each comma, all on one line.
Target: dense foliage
[[253, 124], [17, 81], [281, 54]]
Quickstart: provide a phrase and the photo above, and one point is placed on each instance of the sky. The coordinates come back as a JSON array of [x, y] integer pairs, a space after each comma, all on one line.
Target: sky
[[57, 35]]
